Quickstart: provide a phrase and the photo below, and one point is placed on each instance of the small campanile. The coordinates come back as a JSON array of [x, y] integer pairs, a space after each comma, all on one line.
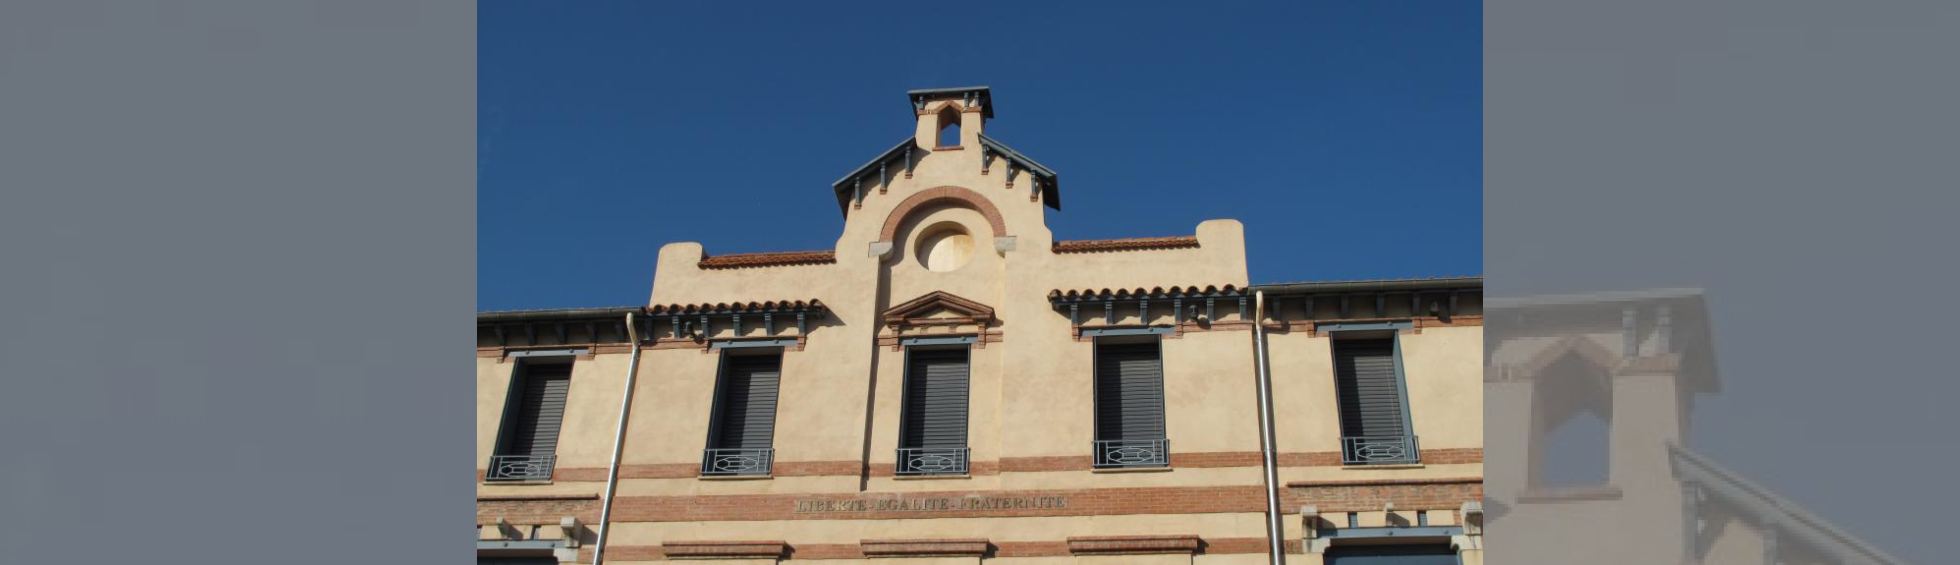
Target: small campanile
[[946, 161], [952, 119]]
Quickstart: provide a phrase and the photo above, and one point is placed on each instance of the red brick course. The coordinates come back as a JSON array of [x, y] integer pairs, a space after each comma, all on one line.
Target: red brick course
[[942, 195], [1078, 502]]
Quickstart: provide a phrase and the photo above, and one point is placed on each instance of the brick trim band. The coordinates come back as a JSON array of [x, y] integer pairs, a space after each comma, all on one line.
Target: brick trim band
[[941, 504]]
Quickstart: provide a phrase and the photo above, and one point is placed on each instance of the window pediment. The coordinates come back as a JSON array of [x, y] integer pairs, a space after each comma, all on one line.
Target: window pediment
[[938, 308]]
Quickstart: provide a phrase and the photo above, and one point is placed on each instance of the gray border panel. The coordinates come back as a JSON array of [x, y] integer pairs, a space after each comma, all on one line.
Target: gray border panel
[[239, 244]]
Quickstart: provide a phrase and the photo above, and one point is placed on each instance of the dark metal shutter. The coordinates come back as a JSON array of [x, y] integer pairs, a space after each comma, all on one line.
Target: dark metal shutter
[[935, 399], [1370, 397], [746, 418], [1392, 555], [1129, 392], [540, 410]]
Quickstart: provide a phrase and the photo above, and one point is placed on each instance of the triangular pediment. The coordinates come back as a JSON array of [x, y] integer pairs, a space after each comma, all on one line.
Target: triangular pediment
[[938, 307], [1586, 350]]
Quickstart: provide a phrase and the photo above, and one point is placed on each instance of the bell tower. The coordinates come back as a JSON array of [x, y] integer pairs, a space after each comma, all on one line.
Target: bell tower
[[951, 119], [1633, 360]]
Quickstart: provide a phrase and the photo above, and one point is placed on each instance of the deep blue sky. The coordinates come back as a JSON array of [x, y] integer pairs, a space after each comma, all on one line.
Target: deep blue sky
[[1345, 135]]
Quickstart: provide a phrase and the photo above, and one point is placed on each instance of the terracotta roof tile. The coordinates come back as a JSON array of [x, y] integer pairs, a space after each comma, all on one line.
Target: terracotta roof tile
[[1152, 292], [773, 259], [716, 307], [1125, 244]]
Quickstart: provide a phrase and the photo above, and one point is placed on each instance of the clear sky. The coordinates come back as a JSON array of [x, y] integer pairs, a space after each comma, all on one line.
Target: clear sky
[[1345, 135]]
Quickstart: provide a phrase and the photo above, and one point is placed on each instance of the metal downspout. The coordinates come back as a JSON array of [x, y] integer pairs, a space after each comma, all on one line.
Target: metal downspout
[[619, 439], [1274, 531]]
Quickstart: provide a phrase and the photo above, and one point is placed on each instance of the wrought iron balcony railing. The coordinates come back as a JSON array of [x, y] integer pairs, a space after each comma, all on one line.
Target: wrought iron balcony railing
[[1379, 450], [723, 462], [519, 468], [932, 461], [1119, 453]]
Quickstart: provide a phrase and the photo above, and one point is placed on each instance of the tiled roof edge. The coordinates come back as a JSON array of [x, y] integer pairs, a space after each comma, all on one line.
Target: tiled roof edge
[[771, 259], [1125, 244]]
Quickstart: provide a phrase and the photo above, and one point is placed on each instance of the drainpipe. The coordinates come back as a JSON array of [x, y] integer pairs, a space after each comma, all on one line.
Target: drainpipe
[[619, 441], [1274, 531]]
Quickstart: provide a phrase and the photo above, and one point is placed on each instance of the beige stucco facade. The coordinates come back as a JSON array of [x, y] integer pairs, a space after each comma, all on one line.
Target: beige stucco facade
[[947, 244]]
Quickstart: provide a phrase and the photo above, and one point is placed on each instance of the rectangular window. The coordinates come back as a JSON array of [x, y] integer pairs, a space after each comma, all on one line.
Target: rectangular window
[[528, 443], [742, 428], [1130, 403], [1374, 405], [932, 425]]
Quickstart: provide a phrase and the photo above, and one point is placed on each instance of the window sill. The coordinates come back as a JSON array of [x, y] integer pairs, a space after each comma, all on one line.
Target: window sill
[[515, 483], [929, 477], [1119, 470], [949, 148], [736, 477]]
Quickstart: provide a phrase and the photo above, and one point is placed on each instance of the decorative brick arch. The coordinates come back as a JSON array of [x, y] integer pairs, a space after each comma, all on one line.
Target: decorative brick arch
[[942, 195]]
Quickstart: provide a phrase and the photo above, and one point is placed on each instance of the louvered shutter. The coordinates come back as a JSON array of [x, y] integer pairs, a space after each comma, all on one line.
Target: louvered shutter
[[1425, 554], [746, 416], [1370, 397], [540, 410], [935, 399], [1129, 392]]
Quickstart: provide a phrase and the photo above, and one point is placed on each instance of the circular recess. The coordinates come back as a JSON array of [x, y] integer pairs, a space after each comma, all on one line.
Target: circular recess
[[945, 247]]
